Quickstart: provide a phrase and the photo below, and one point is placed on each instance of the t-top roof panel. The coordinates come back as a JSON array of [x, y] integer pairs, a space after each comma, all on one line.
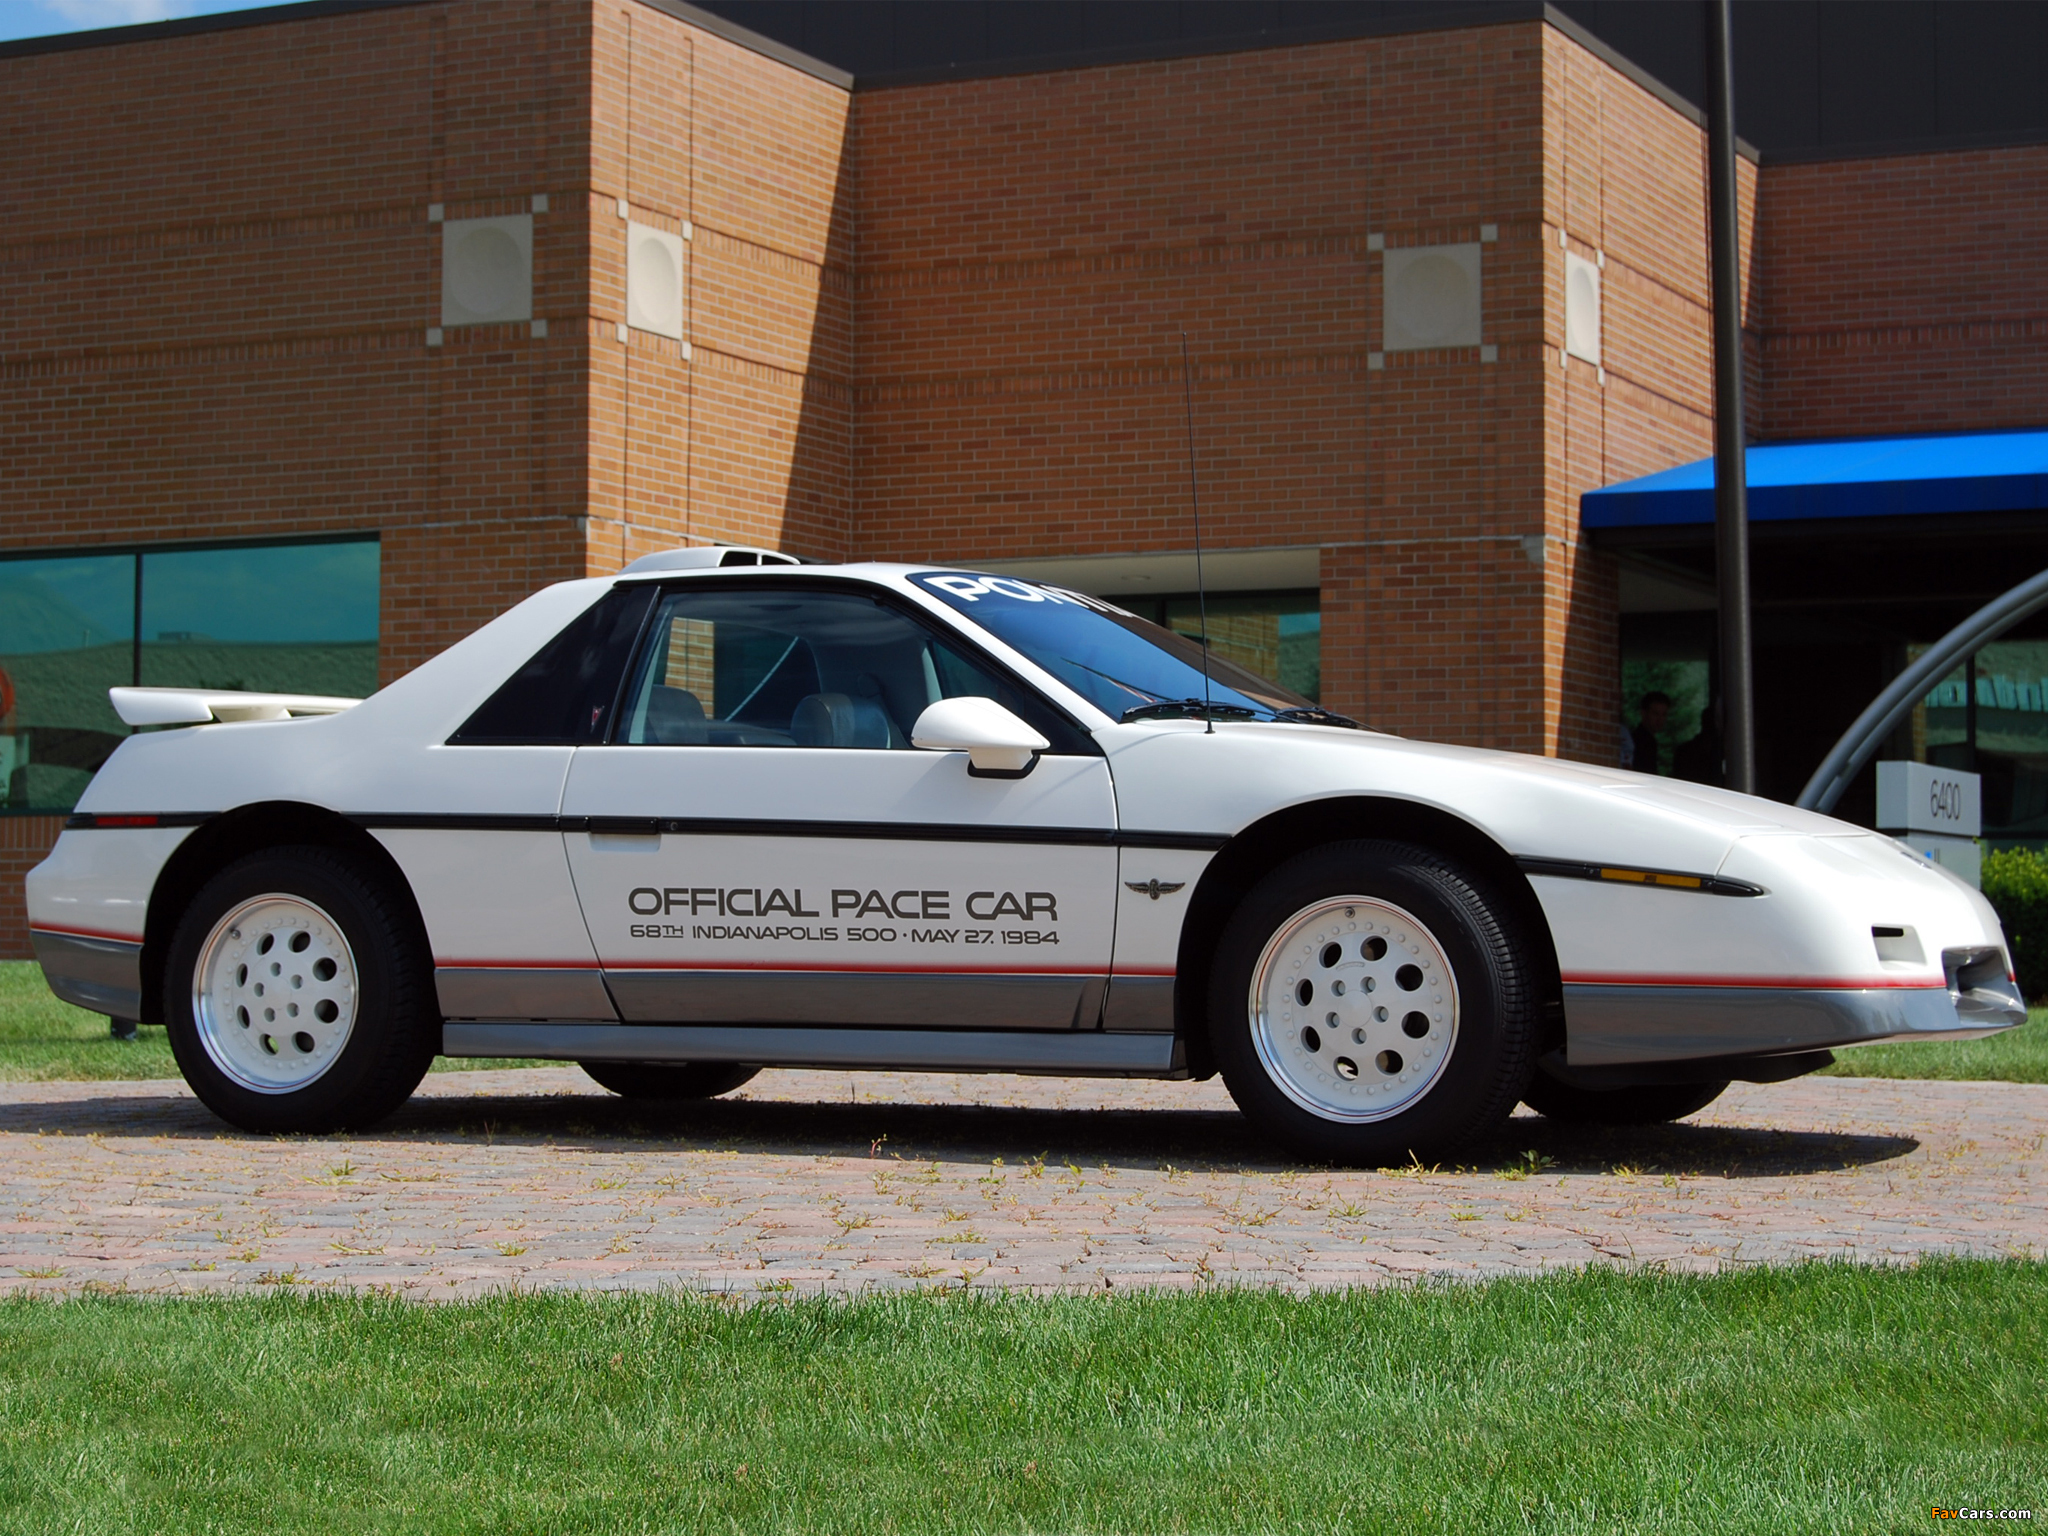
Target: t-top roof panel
[[1844, 477]]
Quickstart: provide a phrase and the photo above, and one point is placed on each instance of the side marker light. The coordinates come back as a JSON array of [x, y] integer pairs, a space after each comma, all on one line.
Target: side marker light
[[1645, 877]]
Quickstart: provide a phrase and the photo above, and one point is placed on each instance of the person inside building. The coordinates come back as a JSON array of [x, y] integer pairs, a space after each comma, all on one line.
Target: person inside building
[[1651, 715], [1699, 759]]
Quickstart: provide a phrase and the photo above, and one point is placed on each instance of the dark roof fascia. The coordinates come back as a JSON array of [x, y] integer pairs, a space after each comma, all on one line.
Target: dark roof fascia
[[1905, 149], [190, 26], [754, 42], [1488, 13]]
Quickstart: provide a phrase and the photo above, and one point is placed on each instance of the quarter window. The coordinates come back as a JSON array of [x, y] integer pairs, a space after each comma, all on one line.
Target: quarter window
[[563, 696]]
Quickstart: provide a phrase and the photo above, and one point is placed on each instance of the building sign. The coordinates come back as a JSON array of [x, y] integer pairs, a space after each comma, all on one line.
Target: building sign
[[1919, 797]]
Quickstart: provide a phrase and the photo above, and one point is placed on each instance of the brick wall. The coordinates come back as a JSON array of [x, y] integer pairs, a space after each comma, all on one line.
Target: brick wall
[[218, 274], [1031, 247], [746, 440], [1905, 295], [1625, 187], [24, 842]]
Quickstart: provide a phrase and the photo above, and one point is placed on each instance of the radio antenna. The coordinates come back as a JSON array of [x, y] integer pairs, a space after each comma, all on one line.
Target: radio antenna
[[1187, 391]]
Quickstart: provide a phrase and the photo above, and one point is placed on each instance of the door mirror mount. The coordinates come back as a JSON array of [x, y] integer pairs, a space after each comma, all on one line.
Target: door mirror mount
[[998, 744]]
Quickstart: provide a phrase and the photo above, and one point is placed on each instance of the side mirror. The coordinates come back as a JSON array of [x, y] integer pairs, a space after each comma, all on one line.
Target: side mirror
[[998, 745]]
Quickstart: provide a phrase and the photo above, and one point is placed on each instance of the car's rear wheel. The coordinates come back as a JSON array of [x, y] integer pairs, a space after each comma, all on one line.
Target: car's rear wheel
[[298, 996], [1651, 1105], [1371, 1003], [668, 1079]]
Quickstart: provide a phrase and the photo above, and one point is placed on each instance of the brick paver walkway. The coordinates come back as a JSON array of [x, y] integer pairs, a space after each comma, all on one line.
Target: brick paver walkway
[[814, 1180]]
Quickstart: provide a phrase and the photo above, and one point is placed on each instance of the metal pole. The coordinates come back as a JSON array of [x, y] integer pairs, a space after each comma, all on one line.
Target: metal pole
[[1731, 497]]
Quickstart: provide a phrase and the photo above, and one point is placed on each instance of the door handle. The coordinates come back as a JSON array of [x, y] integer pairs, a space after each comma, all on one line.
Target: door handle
[[614, 826]]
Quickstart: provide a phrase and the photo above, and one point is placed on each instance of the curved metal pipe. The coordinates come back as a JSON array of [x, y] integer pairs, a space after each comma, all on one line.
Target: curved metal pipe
[[1860, 742]]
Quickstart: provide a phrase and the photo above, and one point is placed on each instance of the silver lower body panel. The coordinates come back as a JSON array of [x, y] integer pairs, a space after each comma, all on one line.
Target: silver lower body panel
[[510, 992], [104, 975], [1041, 1052], [1139, 1003], [1613, 1025], [856, 998]]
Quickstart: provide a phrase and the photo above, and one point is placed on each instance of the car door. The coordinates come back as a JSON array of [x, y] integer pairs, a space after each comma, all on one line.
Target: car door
[[759, 841]]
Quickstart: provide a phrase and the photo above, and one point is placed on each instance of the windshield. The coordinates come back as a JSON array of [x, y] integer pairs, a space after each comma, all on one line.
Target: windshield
[[1125, 666]]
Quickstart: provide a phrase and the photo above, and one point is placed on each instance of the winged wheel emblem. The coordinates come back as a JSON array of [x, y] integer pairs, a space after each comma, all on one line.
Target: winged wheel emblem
[[1155, 888]]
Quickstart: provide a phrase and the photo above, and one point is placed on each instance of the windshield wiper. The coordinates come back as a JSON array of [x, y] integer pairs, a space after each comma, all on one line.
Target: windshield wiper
[[1187, 709], [1315, 714]]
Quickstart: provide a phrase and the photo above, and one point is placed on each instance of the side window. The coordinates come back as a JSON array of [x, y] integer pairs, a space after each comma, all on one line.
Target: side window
[[564, 695], [768, 667]]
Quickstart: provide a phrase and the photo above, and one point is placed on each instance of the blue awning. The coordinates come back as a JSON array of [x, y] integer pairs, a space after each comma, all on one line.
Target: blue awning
[[1845, 477]]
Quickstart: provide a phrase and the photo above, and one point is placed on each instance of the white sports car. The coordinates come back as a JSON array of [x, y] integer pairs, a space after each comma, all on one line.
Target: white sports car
[[717, 813]]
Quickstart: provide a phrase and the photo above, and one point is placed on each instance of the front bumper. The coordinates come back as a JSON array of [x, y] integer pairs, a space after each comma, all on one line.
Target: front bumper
[[1613, 1025], [104, 975]]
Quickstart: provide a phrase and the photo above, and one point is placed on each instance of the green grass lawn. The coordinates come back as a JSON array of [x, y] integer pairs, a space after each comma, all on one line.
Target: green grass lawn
[[43, 1040], [1820, 1398]]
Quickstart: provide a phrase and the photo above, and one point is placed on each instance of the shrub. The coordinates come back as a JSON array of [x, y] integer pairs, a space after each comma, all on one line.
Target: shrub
[[2016, 883]]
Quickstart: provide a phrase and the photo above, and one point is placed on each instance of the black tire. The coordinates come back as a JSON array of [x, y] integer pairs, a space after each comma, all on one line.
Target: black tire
[[393, 1030], [1617, 1106], [1480, 1053], [668, 1079]]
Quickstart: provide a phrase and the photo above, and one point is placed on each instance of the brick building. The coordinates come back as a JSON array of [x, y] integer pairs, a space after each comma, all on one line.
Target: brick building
[[383, 316]]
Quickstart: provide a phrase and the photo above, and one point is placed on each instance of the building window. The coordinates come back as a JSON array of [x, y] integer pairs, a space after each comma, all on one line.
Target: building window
[[290, 618], [1669, 653], [1278, 635], [1990, 717]]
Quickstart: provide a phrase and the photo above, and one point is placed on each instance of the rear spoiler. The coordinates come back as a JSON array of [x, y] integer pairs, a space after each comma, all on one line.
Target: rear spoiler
[[197, 706]]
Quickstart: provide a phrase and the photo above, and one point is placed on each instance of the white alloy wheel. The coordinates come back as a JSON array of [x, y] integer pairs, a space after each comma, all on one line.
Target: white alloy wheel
[[274, 993], [1354, 1009]]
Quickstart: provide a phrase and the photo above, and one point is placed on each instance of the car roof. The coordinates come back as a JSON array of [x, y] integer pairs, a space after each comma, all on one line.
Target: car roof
[[880, 572]]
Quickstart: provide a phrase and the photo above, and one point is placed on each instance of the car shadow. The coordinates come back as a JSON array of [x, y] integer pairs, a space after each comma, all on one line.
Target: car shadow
[[1196, 1140]]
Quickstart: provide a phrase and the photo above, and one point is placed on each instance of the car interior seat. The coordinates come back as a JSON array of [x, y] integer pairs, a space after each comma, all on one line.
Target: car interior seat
[[675, 717], [839, 720]]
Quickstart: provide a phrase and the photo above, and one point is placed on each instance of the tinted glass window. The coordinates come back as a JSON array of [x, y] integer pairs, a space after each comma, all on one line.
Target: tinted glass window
[[289, 618], [769, 667], [564, 695], [1115, 660], [67, 635]]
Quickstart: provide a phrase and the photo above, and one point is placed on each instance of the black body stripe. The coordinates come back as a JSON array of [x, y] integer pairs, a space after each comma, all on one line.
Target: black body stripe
[[440, 821], [709, 826], [1575, 869]]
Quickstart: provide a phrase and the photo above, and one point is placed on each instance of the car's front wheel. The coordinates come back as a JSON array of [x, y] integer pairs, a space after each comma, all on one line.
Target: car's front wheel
[[1370, 1003], [668, 1079], [298, 995]]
